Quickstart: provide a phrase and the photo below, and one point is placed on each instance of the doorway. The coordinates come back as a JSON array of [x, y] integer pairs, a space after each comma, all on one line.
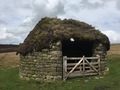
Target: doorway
[[77, 48]]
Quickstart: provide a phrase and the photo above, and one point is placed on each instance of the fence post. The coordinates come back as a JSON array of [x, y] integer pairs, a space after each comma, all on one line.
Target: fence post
[[64, 67], [80, 67], [98, 64], [83, 66]]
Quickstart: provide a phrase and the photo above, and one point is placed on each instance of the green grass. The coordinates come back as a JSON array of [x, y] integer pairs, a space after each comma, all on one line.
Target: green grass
[[9, 80]]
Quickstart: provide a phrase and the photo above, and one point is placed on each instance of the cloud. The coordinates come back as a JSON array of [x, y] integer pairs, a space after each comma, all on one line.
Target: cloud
[[91, 4], [27, 21], [118, 4], [17, 19], [4, 34], [113, 36], [2, 22], [6, 37], [50, 8]]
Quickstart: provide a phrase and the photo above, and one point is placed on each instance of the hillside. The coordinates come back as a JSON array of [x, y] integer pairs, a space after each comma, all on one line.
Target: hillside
[[8, 48]]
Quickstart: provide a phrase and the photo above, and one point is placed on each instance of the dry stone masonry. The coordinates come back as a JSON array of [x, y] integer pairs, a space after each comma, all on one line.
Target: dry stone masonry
[[48, 64], [101, 50], [44, 65]]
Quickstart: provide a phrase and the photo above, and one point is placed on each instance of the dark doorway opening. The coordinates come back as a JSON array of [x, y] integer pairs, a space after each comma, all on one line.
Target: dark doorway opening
[[77, 48]]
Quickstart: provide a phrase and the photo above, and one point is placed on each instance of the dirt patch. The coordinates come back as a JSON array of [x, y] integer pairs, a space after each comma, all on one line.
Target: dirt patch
[[4, 48], [8, 60]]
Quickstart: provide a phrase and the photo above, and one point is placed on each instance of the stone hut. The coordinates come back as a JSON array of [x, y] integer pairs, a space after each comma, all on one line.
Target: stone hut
[[41, 53]]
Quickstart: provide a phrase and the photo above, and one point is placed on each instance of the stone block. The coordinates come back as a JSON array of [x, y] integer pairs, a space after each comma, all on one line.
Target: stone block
[[21, 77], [29, 75], [35, 60], [34, 76], [58, 69], [45, 58], [53, 52], [45, 50], [44, 55], [37, 79]]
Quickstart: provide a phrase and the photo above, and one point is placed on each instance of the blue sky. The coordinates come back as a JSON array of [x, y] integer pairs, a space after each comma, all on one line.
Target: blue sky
[[19, 17]]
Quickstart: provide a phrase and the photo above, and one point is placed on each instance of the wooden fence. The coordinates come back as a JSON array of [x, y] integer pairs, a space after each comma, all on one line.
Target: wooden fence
[[80, 66]]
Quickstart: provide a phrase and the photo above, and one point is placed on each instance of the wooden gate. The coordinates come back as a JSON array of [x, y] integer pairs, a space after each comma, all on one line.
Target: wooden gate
[[80, 66]]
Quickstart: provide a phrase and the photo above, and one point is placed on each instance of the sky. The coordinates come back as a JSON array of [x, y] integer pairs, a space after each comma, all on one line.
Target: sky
[[19, 17]]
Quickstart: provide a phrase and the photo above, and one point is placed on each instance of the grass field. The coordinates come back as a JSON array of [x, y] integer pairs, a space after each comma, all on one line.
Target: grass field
[[9, 76]]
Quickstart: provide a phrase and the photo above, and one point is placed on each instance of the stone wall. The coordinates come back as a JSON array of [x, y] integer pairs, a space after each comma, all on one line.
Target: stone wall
[[47, 64], [44, 65], [101, 50]]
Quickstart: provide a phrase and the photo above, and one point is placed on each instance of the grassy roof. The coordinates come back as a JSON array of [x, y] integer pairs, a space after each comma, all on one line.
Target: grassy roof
[[49, 30]]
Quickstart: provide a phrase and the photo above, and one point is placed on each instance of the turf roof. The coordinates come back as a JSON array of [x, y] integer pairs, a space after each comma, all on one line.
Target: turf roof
[[49, 30]]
